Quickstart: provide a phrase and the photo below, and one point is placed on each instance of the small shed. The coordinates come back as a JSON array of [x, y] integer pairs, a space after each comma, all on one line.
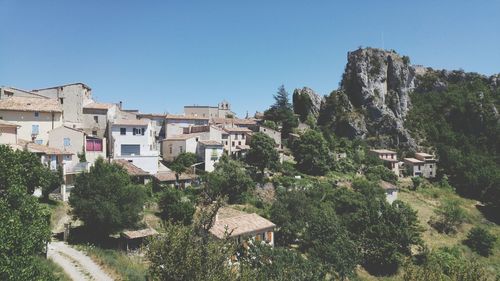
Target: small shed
[[391, 191], [133, 239]]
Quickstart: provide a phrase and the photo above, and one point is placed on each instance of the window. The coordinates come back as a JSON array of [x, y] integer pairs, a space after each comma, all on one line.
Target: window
[[130, 149], [94, 133], [96, 118], [242, 136], [239, 143], [61, 100], [170, 149], [233, 143], [34, 129], [196, 139], [226, 142], [123, 131], [39, 141], [269, 236], [181, 149], [93, 145], [67, 142], [431, 166], [67, 157], [224, 136], [134, 131], [142, 131], [37, 114]]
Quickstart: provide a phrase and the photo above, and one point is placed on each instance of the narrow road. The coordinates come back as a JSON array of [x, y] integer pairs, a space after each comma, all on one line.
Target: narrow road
[[75, 263]]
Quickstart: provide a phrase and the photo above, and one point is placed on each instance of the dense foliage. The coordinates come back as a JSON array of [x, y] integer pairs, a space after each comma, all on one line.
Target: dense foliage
[[312, 153], [175, 207], [281, 112], [182, 162], [302, 105], [481, 241], [461, 121], [262, 153], [106, 200]]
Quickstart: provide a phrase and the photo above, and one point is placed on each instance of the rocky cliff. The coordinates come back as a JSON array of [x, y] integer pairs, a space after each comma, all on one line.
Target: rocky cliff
[[374, 97]]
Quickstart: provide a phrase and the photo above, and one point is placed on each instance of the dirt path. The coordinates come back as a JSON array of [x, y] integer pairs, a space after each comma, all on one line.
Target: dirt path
[[76, 264]]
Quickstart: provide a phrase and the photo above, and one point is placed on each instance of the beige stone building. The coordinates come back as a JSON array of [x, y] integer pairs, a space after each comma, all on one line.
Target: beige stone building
[[222, 110], [8, 132], [389, 157], [96, 117], [34, 116], [423, 165]]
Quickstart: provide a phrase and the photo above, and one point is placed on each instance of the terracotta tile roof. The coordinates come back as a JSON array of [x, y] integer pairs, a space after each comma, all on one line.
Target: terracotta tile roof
[[4, 123], [96, 105], [182, 137], [131, 122], [235, 121], [210, 142], [142, 233], [65, 85], [413, 161], [170, 176], [387, 185], [383, 151], [30, 104], [240, 225], [185, 117], [151, 115], [236, 130], [38, 148], [131, 169]]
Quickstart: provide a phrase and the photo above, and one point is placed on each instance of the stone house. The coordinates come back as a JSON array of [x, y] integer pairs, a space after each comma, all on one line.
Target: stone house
[[234, 140], [132, 140], [389, 157], [96, 117], [222, 110], [175, 124], [423, 165], [34, 116], [8, 132], [242, 226]]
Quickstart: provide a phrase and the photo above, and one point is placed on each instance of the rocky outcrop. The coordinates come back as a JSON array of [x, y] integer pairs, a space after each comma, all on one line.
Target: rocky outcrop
[[315, 99]]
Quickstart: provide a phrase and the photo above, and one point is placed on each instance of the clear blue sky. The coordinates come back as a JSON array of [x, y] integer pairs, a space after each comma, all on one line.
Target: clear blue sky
[[157, 56]]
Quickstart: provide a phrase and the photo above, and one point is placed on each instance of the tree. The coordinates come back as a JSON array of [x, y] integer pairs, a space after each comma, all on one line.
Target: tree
[[282, 112], [22, 168], [312, 153], [262, 153], [449, 217], [380, 172], [189, 253], [53, 180], [182, 162], [480, 241], [302, 105], [174, 208], [229, 179], [329, 243], [24, 233], [106, 200]]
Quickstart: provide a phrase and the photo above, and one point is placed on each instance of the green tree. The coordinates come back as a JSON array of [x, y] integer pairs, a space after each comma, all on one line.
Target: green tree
[[106, 200], [182, 162], [24, 233], [175, 207], [281, 112], [449, 216], [189, 252], [312, 153], [229, 179], [53, 180], [262, 153], [481, 241], [302, 105]]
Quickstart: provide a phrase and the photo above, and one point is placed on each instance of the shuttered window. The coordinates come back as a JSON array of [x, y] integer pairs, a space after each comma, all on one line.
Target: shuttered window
[[129, 149]]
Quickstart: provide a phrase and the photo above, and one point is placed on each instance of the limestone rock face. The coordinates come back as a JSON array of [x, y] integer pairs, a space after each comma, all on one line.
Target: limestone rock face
[[377, 83], [315, 99]]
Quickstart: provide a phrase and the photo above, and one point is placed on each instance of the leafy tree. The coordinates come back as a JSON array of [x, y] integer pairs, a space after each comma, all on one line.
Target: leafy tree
[[106, 200], [281, 112], [449, 217], [270, 124], [262, 153], [329, 243], [174, 208], [312, 153], [24, 233], [182, 163], [261, 262], [229, 179], [189, 253], [53, 180], [379, 172], [21, 168], [481, 241]]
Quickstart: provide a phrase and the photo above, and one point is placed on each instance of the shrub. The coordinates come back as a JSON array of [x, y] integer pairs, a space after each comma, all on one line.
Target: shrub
[[480, 241], [449, 217], [174, 208]]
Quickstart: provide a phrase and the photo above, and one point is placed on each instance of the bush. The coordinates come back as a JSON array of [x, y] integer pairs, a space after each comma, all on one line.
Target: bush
[[174, 208], [480, 241], [449, 217]]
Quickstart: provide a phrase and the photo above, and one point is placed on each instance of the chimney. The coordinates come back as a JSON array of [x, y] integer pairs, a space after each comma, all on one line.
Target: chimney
[[120, 105]]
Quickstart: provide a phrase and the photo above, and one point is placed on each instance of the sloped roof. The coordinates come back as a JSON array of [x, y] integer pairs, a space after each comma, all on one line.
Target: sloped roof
[[235, 121], [413, 161], [134, 234], [60, 86], [131, 169], [131, 122], [170, 176], [210, 142], [387, 185], [240, 225], [4, 123], [30, 104], [182, 137], [97, 105], [38, 148], [383, 151], [237, 130], [185, 117]]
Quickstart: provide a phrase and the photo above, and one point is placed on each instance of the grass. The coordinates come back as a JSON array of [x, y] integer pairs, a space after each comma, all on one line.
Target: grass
[[118, 264], [56, 270], [58, 210]]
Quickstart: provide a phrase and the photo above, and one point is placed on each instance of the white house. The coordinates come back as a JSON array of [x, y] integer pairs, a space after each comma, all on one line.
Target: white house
[[210, 151], [35, 116], [391, 191], [389, 157], [132, 140], [235, 140]]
